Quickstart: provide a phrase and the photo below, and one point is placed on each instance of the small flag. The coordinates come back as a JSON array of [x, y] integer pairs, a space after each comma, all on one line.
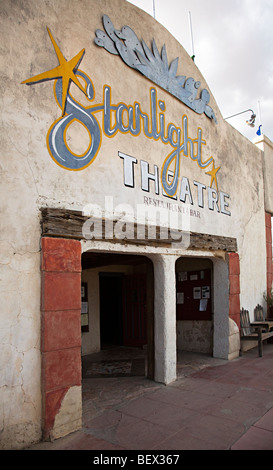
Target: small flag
[[259, 131]]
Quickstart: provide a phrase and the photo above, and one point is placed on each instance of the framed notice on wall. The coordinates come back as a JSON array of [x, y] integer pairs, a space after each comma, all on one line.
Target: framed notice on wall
[[197, 293], [84, 307]]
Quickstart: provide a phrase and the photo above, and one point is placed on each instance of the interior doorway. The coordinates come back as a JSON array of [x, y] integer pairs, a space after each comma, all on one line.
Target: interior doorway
[[111, 311]]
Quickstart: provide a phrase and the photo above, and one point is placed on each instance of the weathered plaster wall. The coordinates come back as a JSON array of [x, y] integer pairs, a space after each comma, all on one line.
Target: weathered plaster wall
[[30, 179], [194, 335], [266, 146]]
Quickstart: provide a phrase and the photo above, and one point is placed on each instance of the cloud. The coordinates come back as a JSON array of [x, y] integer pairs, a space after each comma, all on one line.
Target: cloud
[[233, 48]]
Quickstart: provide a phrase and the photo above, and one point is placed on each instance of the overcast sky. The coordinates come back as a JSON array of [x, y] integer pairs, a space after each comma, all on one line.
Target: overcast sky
[[233, 46]]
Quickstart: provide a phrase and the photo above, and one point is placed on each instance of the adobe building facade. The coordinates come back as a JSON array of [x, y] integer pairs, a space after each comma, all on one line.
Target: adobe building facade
[[118, 174]]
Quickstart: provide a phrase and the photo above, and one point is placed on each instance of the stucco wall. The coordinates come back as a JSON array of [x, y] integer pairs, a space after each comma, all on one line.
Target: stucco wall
[[194, 335], [31, 179], [266, 146]]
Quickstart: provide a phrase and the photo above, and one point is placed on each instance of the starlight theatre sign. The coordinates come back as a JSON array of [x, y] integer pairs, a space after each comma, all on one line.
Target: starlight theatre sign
[[134, 119]]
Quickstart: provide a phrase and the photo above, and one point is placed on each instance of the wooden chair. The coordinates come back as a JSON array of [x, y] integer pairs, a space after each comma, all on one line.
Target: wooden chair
[[259, 314]]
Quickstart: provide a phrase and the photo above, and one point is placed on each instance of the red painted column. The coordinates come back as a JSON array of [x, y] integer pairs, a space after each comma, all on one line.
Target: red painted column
[[61, 324], [234, 287], [268, 254]]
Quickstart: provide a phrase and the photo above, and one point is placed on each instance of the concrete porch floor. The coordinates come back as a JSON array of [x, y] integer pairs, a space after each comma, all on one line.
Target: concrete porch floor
[[213, 405]]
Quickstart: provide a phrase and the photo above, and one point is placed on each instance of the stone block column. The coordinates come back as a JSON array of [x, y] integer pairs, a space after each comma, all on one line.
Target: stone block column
[[269, 276], [165, 318], [234, 287], [61, 336], [234, 305]]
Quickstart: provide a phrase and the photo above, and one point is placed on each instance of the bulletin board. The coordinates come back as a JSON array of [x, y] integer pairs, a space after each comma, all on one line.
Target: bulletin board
[[193, 295], [84, 307]]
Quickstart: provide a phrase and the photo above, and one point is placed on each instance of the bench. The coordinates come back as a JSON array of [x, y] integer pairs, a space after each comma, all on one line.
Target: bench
[[259, 330]]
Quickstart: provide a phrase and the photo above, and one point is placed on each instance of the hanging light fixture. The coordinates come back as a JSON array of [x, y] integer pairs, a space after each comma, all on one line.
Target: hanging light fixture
[[250, 122]]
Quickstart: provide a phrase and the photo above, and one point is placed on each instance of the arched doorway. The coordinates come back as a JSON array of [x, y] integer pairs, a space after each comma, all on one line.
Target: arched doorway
[[62, 269], [117, 318], [194, 304]]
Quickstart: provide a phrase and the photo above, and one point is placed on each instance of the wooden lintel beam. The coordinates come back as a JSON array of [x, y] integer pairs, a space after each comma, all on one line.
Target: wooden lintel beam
[[69, 224]]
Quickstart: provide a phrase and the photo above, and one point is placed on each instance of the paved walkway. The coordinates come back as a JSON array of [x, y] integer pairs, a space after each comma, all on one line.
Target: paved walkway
[[213, 405]]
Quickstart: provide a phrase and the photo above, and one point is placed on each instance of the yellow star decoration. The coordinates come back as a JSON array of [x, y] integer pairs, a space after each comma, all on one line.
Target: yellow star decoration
[[66, 70], [213, 173]]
